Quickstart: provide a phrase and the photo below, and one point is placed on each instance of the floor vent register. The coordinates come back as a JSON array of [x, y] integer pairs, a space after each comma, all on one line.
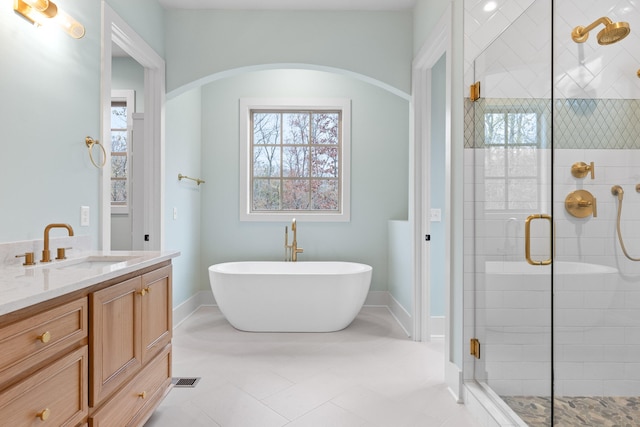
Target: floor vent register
[[185, 382]]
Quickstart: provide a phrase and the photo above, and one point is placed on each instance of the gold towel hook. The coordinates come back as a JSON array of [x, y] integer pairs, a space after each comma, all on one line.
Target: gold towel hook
[[90, 143]]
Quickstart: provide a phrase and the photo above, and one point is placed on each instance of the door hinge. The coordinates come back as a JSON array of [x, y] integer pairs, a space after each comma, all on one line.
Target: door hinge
[[474, 92], [475, 348]]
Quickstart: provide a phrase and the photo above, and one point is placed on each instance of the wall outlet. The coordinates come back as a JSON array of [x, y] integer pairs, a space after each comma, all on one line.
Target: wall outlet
[[84, 216], [175, 213]]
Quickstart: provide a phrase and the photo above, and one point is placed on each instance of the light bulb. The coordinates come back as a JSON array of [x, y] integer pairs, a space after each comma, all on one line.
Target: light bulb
[[69, 25], [41, 12]]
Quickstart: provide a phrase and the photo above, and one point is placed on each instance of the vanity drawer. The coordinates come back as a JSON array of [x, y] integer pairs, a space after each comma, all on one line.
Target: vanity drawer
[[56, 394], [134, 403], [25, 343]]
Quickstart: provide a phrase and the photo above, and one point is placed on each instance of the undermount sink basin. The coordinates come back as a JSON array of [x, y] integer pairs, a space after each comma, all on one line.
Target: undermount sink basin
[[91, 262]]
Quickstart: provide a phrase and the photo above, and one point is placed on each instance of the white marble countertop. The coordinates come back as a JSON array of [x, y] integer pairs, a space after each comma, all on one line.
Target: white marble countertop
[[22, 287]]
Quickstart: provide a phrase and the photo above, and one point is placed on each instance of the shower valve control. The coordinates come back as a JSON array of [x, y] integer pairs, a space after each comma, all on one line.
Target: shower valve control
[[581, 204], [581, 169]]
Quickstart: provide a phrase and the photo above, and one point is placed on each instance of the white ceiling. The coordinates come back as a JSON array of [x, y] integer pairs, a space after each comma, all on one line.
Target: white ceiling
[[290, 4]]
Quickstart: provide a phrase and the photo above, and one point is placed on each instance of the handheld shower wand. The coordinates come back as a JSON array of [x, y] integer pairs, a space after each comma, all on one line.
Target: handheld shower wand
[[617, 190]]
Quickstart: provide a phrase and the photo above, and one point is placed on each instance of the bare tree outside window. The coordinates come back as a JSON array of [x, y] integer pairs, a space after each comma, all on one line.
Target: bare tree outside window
[[295, 162], [512, 142], [119, 154]]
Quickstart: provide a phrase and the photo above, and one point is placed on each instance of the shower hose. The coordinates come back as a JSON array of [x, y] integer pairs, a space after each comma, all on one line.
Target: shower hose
[[616, 190]]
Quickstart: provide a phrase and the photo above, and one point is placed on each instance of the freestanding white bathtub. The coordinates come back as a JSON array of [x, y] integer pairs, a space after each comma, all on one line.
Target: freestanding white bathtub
[[290, 296]]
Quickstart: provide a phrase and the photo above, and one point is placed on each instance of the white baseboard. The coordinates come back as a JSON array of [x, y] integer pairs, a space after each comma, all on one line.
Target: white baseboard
[[374, 299], [437, 327], [377, 299], [453, 379], [186, 309], [401, 315]]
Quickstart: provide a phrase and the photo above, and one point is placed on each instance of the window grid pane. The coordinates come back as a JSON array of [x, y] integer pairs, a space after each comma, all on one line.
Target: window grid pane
[[511, 160], [119, 153], [299, 152]]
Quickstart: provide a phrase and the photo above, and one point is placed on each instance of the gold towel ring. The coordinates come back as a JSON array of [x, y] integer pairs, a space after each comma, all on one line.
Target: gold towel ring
[[90, 143]]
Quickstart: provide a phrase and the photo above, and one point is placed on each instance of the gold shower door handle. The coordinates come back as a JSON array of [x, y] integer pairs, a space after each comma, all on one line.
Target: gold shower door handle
[[527, 239]]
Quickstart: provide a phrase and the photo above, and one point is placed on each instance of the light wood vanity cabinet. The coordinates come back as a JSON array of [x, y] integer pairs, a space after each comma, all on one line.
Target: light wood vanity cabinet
[[131, 326], [97, 357]]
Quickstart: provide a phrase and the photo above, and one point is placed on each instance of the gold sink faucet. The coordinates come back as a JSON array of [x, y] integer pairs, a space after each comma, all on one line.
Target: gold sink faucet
[[46, 253], [293, 247]]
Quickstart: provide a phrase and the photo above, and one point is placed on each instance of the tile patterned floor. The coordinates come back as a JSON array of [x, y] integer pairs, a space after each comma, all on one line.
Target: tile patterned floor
[[368, 375], [577, 411]]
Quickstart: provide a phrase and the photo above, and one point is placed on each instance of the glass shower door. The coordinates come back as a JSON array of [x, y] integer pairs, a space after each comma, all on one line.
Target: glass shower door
[[510, 153]]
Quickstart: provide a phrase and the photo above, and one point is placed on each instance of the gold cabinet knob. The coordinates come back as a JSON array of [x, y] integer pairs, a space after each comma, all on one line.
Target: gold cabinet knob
[[44, 414], [45, 338], [143, 292], [142, 395]]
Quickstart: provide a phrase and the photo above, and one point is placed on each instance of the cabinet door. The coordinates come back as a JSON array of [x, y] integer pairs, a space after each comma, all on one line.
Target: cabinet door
[[156, 312], [115, 337]]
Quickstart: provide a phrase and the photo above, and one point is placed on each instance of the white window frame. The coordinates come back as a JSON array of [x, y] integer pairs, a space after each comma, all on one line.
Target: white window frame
[[128, 97], [247, 105]]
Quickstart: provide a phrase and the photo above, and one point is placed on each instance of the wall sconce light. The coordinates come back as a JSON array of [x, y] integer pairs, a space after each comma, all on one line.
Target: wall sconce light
[[41, 12]]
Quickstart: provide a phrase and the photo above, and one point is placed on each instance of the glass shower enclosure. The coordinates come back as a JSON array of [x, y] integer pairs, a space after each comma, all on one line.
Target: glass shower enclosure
[[552, 242]]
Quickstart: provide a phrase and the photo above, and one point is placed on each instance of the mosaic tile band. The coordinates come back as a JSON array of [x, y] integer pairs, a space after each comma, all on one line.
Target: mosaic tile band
[[578, 123]]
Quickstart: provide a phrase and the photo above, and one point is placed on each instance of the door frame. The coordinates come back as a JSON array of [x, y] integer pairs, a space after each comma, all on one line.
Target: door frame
[[437, 44], [116, 30]]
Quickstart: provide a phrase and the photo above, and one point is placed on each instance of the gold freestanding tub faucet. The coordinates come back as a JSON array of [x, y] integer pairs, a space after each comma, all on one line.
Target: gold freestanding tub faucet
[[293, 247], [46, 253]]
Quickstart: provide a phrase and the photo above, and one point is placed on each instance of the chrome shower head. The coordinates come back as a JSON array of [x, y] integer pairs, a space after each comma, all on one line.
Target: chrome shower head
[[613, 31]]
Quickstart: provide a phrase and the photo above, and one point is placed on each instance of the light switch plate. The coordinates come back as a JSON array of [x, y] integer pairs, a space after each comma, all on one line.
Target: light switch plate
[[436, 215], [84, 216]]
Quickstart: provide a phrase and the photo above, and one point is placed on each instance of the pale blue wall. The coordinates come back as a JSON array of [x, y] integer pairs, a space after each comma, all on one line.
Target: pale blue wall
[[399, 276], [126, 73], [50, 85], [183, 150], [379, 181], [204, 42], [437, 167]]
